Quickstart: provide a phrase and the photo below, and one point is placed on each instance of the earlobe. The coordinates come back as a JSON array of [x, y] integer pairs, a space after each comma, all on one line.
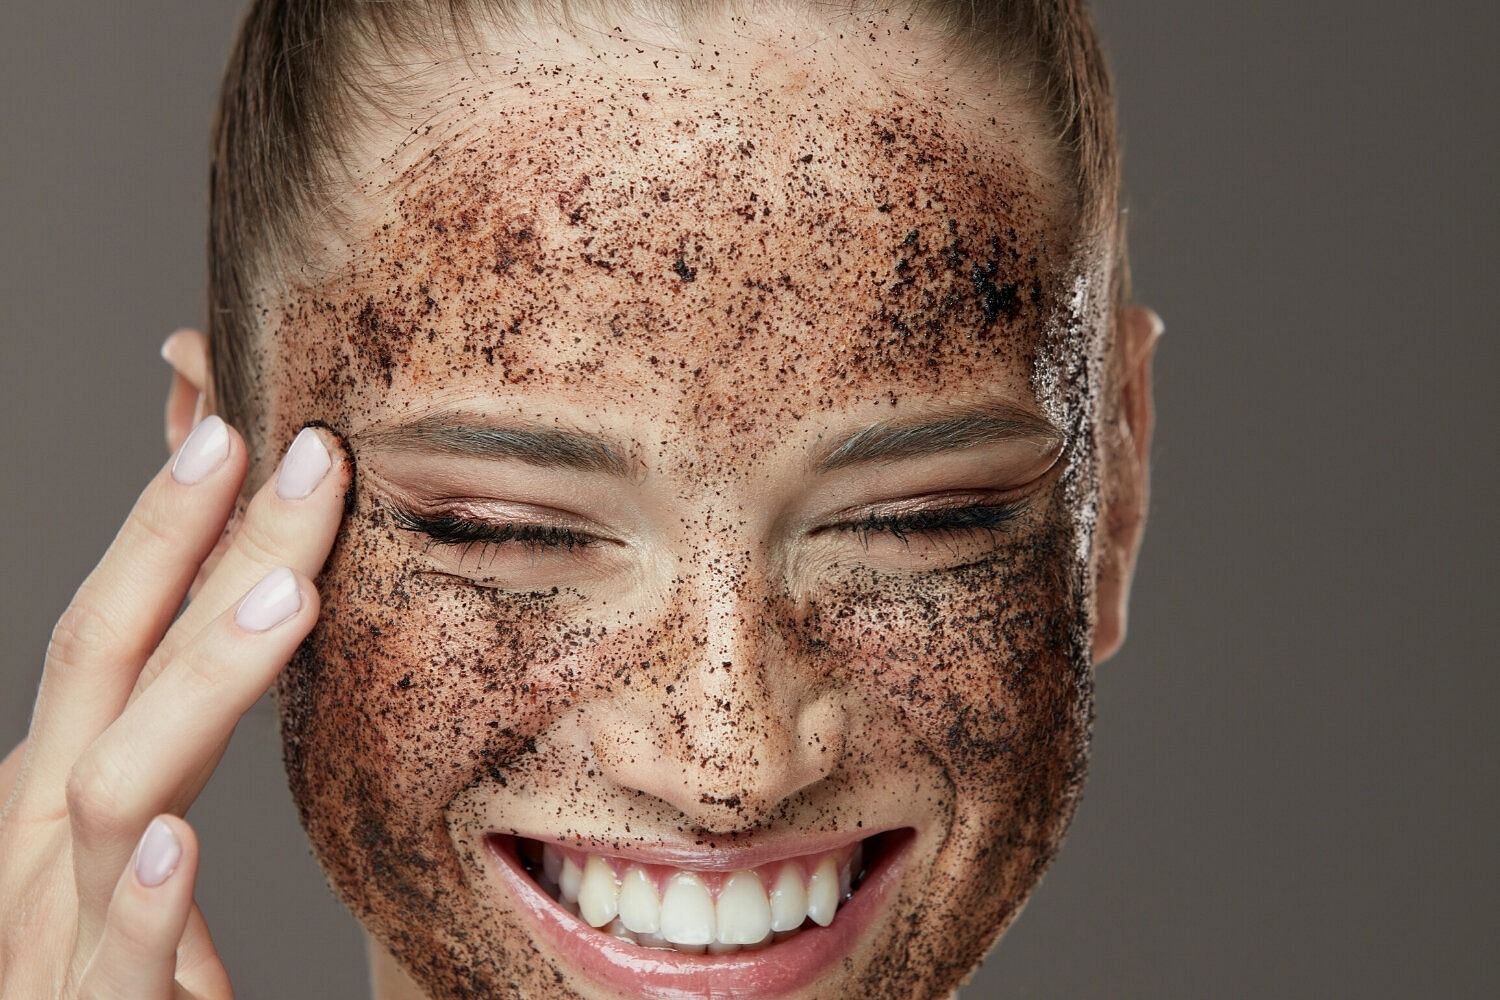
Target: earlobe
[[187, 352], [1127, 479]]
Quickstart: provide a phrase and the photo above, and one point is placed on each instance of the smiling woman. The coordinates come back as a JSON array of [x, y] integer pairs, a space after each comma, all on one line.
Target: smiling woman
[[736, 437]]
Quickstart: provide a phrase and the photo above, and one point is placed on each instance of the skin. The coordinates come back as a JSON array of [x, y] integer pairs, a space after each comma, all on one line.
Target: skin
[[135, 708], [723, 255], [728, 662]]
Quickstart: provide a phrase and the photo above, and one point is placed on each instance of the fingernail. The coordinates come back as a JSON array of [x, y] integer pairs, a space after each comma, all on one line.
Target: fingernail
[[202, 452], [157, 854], [303, 468], [270, 602]]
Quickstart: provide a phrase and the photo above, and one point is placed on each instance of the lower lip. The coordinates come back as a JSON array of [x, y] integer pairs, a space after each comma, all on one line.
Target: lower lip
[[660, 974]]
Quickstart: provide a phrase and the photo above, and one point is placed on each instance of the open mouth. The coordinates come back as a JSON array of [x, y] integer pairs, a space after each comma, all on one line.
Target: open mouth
[[661, 906], [772, 924]]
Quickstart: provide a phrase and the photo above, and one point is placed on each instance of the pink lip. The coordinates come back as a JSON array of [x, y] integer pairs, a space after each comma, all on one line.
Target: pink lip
[[658, 974]]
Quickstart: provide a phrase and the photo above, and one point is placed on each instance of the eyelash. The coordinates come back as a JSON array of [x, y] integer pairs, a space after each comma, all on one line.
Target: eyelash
[[943, 522], [946, 522], [448, 529]]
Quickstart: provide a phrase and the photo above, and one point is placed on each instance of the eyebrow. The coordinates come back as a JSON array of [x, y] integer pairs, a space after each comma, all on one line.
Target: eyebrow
[[548, 446], [527, 441], [958, 428]]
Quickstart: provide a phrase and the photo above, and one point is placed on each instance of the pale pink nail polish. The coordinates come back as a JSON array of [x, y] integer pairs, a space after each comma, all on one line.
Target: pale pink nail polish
[[204, 451], [303, 468], [270, 602], [157, 854]]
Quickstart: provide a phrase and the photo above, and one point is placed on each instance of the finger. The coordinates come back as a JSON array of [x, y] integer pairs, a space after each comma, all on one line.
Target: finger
[[159, 753], [200, 970], [291, 521], [136, 955], [10, 768], [126, 604]]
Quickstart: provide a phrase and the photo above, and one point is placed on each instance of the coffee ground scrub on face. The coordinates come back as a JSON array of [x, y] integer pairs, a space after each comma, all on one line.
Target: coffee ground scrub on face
[[719, 247]]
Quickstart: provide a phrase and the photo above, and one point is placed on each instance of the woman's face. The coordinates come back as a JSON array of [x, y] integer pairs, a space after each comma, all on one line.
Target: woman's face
[[724, 423]]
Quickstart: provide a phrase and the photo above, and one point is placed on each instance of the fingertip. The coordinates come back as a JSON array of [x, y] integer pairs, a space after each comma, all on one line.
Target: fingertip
[[211, 450], [238, 460], [277, 598], [167, 850], [343, 459], [236, 440], [283, 597], [307, 463], [151, 905], [311, 600], [335, 444]]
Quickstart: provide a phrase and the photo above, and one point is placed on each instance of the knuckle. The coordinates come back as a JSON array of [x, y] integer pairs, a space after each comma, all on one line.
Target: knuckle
[[82, 633], [124, 929], [260, 542], [99, 980], [95, 791], [152, 525], [200, 667]]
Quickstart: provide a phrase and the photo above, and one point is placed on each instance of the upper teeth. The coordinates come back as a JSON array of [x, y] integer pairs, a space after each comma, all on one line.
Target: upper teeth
[[660, 906]]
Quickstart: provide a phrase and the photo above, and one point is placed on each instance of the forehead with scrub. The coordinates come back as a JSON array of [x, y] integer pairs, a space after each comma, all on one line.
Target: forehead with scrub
[[687, 290]]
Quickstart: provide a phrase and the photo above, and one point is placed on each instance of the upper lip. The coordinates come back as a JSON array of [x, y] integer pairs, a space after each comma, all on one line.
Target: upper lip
[[719, 858]]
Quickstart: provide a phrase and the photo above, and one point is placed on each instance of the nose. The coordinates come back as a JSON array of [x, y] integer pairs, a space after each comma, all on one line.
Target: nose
[[727, 722]]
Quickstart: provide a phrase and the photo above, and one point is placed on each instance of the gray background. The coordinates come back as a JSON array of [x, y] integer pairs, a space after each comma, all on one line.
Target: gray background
[[1294, 787]]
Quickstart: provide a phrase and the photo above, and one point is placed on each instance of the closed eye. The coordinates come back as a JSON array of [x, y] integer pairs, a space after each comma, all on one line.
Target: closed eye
[[937, 523], [451, 529]]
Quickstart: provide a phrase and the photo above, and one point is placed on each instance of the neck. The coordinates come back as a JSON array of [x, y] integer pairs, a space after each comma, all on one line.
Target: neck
[[388, 981]]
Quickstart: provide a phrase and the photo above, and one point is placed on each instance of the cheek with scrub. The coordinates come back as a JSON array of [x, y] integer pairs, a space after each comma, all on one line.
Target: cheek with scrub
[[412, 687], [986, 668]]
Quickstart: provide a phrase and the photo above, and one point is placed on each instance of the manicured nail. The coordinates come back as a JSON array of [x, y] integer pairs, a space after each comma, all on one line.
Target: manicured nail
[[270, 602], [157, 854], [303, 468], [204, 451]]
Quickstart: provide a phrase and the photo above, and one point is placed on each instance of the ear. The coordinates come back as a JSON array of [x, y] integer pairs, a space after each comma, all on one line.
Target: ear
[[1127, 477], [187, 352]]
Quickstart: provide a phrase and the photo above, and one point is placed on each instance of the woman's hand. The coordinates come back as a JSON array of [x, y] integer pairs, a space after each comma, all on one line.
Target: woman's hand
[[135, 710]]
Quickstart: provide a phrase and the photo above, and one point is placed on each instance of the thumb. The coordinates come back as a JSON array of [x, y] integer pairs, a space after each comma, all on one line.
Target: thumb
[[199, 967], [136, 958]]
